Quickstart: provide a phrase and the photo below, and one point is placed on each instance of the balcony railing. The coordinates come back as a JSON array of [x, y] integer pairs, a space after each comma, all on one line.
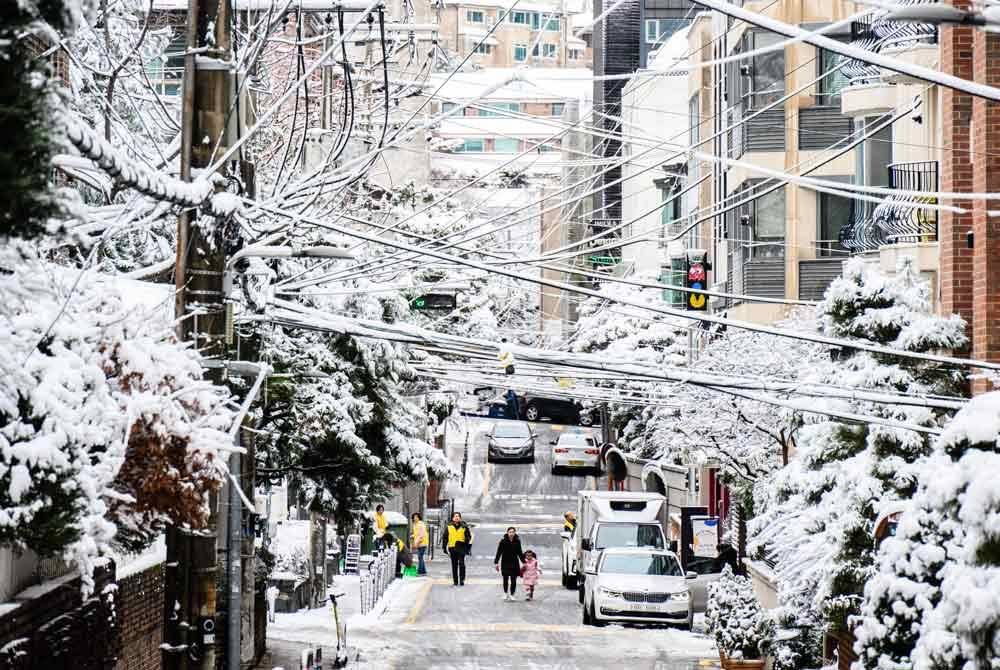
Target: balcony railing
[[876, 32], [899, 218]]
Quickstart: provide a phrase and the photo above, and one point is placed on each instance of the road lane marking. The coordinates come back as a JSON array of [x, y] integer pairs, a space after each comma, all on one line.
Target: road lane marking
[[491, 582], [418, 604]]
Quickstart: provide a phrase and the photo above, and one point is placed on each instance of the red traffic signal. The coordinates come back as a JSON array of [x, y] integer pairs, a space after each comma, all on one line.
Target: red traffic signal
[[697, 278]]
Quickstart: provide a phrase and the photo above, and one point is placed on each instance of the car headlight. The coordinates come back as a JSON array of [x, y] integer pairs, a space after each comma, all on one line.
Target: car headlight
[[608, 593], [681, 595]]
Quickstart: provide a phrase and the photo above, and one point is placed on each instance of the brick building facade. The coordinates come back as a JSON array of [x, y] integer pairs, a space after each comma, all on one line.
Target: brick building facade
[[970, 243], [140, 613]]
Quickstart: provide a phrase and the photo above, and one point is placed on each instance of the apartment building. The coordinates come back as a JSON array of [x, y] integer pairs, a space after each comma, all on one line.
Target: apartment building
[[537, 34], [772, 110], [622, 42], [524, 114]]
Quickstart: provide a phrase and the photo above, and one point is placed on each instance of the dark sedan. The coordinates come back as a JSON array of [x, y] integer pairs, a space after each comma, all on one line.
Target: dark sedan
[[558, 410]]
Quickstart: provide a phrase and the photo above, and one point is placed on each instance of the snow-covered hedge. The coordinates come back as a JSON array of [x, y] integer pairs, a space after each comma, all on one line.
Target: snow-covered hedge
[[735, 619]]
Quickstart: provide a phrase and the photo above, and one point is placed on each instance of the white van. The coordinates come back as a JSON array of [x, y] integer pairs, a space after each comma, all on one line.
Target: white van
[[611, 519]]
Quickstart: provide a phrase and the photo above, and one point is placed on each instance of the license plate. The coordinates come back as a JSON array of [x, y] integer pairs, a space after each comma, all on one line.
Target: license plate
[[580, 463], [647, 607]]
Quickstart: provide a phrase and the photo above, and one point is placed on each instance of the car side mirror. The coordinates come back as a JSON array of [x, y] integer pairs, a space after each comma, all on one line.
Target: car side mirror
[[690, 575], [586, 544], [565, 535]]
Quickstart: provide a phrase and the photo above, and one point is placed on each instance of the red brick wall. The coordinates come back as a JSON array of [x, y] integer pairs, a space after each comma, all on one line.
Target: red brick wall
[[140, 616], [986, 178], [956, 175]]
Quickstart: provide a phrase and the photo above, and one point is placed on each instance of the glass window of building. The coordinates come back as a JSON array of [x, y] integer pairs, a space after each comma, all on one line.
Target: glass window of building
[[520, 52], [475, 16], [506, 145], [472, 146]]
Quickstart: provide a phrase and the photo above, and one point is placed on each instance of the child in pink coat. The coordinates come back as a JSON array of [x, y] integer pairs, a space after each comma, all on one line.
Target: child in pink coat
[[531, 570]]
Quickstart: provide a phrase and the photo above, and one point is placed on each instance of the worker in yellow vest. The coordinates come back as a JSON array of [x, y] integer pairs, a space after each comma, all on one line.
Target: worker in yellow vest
[[458, 544], [506, 358]]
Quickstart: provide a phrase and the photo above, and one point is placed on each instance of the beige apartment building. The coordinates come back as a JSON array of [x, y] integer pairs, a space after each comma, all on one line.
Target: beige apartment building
[[785, 241], [535, 34]]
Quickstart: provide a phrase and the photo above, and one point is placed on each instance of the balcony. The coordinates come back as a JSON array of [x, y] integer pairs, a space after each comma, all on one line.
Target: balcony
[[898, 219], [916, 42]]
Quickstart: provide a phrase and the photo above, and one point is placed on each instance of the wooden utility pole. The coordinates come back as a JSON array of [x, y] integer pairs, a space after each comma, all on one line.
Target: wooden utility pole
[[191, 572]]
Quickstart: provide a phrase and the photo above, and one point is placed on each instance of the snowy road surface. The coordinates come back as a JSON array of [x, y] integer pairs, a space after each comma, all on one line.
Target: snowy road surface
[[430, 624]]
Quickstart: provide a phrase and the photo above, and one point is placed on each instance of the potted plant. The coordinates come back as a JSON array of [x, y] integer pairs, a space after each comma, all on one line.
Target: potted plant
[[741, 628]]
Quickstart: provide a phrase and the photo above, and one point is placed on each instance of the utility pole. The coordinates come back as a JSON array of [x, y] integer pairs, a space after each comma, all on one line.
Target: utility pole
[[191, 572]]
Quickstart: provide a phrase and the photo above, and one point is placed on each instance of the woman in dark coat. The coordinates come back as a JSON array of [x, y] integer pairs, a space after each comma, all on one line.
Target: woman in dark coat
[[508, 561]]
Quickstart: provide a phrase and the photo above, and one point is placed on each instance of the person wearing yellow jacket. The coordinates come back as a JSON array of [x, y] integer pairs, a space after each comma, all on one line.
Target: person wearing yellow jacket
[[381, 523], [419, 539], [458, 544]]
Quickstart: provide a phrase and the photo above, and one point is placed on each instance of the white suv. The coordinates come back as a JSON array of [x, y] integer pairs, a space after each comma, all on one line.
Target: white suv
[[637, 585], [575, 450]]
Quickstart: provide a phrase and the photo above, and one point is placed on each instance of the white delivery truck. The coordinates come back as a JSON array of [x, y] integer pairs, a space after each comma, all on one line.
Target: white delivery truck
[[611, 519]]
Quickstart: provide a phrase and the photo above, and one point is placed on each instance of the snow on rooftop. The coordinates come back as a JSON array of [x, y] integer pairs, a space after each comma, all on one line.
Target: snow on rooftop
[[537, 84], [672, 54]]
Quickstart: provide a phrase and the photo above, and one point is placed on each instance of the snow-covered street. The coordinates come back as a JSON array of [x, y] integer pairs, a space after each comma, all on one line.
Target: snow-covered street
[[429, 624]]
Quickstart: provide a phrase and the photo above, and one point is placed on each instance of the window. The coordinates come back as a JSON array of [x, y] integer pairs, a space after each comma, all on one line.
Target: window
[[834, 214], [767, 73], [535, 50], [535, 22], [550, 23], [520, 52], [520, 18], [472, 146], [475, 16], [548, 50], [493, 108], [166, 72], [670, 212], [557, 108], [505, 145], [874, 154], [448, 106], [575, 54], [769, 225], [485, 49], [674, 274], [547, 147], [694, 119], [660, 565], [830, 85], [659, 30], [629, 535]]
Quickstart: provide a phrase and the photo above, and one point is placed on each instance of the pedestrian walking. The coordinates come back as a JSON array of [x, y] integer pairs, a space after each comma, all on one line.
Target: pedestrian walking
[[419, 539], [508, 561], [531, 570], [569, 522], [458, 544], [271, 595], [381, 523]]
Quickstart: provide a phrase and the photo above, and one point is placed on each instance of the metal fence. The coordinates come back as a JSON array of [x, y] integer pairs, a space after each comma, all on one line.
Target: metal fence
[[381, 572]]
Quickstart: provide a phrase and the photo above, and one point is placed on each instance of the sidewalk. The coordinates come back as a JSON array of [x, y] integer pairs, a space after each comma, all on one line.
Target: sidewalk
[[290, 634]]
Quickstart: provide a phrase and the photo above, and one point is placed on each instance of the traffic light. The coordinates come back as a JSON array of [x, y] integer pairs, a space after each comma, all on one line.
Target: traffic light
[[696, 277]]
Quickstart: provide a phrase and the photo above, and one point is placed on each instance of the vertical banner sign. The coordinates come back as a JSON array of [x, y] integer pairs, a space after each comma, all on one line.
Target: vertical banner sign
[[697, 278], [704, 536]]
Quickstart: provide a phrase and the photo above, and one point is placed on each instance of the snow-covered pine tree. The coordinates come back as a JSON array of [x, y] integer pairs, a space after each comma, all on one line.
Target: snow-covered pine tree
[[735, 618], [26, 117], [934, 600], [818, 513]]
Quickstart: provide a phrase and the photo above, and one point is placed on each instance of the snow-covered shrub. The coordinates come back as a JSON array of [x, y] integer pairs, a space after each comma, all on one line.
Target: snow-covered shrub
[[795, 646], [95, 398], [817, 514], [934, 600], [735, 619]]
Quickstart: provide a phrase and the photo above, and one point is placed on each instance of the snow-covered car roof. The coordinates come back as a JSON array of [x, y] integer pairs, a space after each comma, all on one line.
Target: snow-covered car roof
[[632, 551]]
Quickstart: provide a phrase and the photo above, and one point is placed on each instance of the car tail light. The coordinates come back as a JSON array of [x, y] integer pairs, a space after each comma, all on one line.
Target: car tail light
[[591, 452], [561, 450]]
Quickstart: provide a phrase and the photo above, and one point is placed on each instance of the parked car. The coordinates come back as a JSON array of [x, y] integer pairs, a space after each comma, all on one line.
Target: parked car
[[510, 441], [637, 585], [575, 450], [558, 410]]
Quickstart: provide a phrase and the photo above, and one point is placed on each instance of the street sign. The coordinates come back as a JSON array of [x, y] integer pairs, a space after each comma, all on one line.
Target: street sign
[[434, 301], [602, 260]]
